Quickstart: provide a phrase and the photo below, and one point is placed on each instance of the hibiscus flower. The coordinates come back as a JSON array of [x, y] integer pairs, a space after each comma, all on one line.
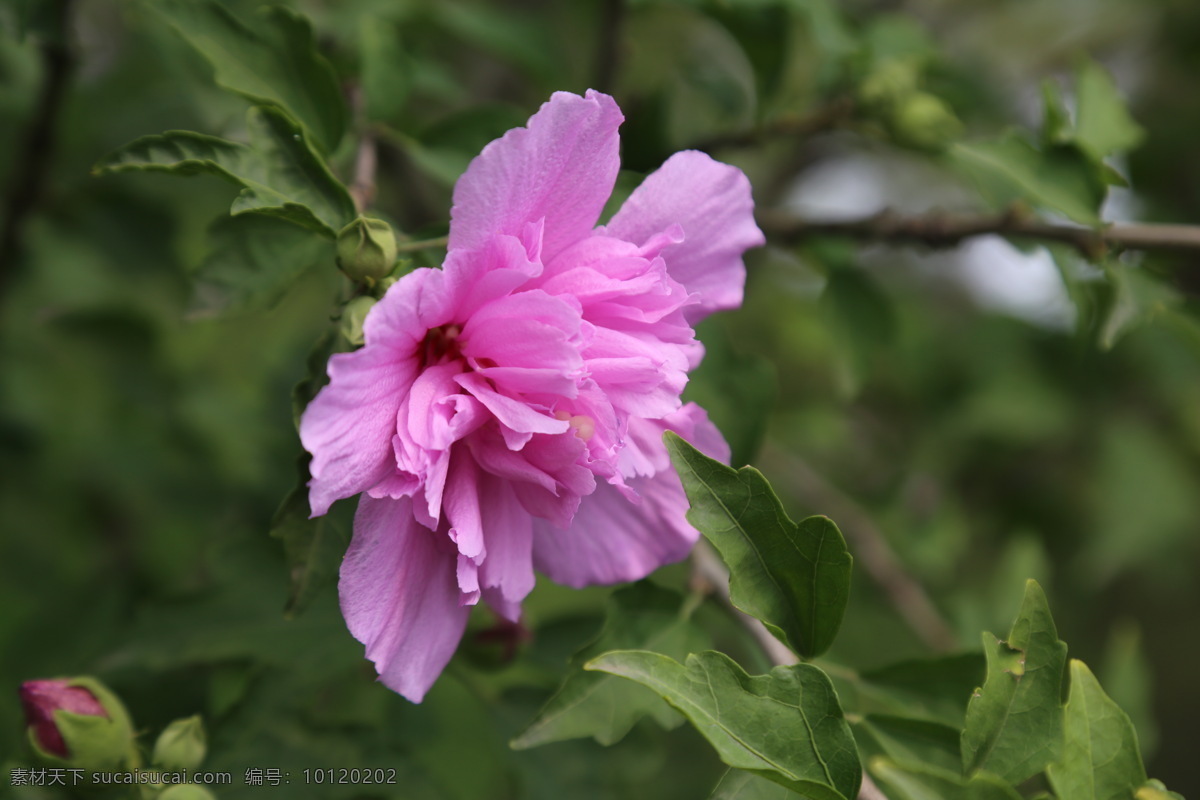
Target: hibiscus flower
[[506, 412]]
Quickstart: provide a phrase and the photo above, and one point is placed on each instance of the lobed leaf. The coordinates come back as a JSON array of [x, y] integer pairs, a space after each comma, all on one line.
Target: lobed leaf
[[1010, 169], [276, 65], [1100, 757], [253, 260], [642, 616], [1014, 723], [794, 578], [278, 171], [786, 726]]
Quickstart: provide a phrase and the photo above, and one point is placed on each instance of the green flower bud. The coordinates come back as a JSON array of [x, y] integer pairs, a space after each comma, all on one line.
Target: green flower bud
[[924, 121], [366, 250], [353, 316], [186, 791], [889, 83], [79, 723], [181, 745]]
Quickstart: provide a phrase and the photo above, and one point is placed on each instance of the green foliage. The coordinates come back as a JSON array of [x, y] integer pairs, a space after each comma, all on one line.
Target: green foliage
[[1100, 757], [145, 440], [919, 782], [593, 704], [795, 578], [1011, 169], [1014, 722], [786, 726], [253, 260], [280, 174], [276, 64]]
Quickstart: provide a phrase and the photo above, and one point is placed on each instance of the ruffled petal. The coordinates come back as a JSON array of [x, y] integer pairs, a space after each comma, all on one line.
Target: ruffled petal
[[560, 168], [400, 596], [613, 538], [350, 424], [711, 201]]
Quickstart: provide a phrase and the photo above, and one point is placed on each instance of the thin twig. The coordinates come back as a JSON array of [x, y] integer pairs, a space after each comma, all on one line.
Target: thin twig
[[871, 549], [33, 161], [608, 51], [711, 574], [832, 115], [362, 187], [939, 229], [422, 244]]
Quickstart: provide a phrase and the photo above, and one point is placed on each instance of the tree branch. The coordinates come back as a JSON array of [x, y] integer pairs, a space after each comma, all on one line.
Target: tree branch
[[609, 50], [791, 126], [709, 574], [938, 229], [872, 551]]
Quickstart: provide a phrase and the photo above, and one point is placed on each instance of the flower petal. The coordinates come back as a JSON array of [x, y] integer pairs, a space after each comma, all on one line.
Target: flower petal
[[400, 596], [713, 204], [613, 539], [561, 167], [349, 425]]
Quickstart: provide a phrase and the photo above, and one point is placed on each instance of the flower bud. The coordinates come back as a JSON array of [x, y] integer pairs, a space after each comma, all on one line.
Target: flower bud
[[181, 746], [924, 121], [78, 721], [366, 250], [353, 317]]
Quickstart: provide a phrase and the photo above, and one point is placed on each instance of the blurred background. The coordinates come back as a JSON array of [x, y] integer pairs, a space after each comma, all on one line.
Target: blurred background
[[992, 412]]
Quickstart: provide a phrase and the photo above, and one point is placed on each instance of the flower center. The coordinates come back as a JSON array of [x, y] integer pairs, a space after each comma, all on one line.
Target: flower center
[[441, 345]]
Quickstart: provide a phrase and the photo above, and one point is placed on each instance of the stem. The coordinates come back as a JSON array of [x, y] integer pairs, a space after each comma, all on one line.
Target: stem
[[939, 229], [872, 550], [362, 187], [422, 244], [33, 161], [709, 572]]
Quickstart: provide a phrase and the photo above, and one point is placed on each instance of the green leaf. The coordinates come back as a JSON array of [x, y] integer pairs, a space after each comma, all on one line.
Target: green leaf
[[276, 64], [907, 739], [737, 784], [279, 173], [253, 260], [938, 687], [1138, 299], [786, 726], [1010, 169], [642, 616], [1014, 723], [905, 781], [1102, 125], [1100, 758], [794, 578], [313, 547]]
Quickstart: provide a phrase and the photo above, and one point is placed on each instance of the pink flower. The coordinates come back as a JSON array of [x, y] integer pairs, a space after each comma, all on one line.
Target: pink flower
[[506, 412]]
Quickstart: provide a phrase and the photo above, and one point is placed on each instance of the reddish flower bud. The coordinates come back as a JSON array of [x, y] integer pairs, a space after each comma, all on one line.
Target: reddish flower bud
[[42, 698]]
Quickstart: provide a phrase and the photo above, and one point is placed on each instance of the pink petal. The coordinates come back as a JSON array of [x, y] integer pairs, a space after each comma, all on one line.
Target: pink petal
[[613, 539], [513, 414], [713, 204], [561, 168], [349, 426], [507, 572], [400, 596]]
